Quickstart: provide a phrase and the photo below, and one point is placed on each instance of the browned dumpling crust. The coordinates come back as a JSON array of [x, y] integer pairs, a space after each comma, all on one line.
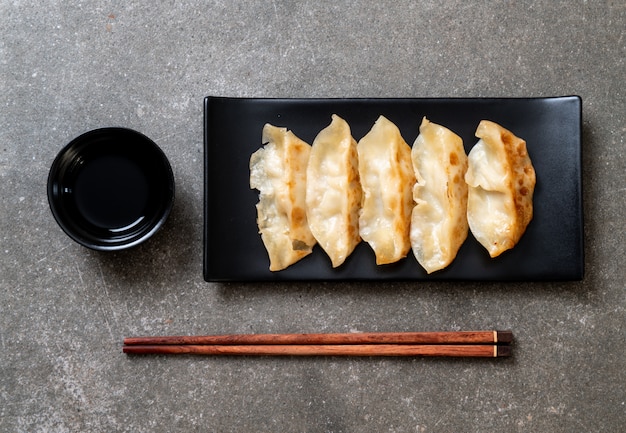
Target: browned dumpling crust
[[501, 181], [278, 171]]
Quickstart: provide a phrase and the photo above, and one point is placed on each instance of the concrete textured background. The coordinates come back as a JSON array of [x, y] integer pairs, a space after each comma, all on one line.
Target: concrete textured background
[[67, 67]]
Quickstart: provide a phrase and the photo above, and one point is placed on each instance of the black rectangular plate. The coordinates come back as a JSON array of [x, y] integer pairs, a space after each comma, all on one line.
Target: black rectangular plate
[[551, 248]]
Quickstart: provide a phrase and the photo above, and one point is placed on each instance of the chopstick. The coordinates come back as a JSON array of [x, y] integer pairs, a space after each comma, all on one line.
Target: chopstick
[[456, 350], [447, 343], [445, 337]]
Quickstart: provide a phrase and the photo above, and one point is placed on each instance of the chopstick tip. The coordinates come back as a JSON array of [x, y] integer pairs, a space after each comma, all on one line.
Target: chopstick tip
[[504, 337], [503, 351]]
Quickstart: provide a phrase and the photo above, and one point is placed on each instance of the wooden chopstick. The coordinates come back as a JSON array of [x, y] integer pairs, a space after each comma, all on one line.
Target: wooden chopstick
[[446, 337], [448, 350], [450, 343]]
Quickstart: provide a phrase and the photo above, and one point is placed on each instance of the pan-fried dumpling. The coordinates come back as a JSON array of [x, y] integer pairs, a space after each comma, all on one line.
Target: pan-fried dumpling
[[278, 171], [387, 180], [333, 191], [501, 182], [439, 222]]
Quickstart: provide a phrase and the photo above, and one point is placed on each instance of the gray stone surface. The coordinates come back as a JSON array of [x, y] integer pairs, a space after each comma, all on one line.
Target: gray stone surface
[[67, 67]]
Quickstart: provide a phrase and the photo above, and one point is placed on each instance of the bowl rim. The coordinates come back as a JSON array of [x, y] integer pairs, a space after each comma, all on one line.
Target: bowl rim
[[100, 243]]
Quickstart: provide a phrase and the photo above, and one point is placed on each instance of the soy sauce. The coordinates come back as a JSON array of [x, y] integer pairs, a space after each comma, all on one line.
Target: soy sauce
[[111, 192]]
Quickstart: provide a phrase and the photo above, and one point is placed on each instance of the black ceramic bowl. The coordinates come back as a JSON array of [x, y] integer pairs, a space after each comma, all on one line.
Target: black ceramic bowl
[[111, 188]]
